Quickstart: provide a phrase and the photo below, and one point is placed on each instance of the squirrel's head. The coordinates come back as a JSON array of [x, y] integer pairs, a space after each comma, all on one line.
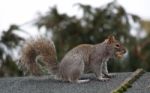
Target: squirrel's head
[[118, 49]]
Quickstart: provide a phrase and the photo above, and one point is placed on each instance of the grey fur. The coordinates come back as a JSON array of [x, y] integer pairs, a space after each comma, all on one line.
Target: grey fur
[[93, 57], [41, 53]]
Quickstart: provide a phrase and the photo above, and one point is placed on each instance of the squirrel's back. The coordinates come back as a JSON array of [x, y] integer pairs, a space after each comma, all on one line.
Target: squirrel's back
[[38, 47], [83, 50]]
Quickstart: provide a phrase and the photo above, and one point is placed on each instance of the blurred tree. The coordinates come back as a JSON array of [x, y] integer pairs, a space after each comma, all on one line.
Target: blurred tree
[[93, 27], [146, 25], [8, 42], [144, 45]]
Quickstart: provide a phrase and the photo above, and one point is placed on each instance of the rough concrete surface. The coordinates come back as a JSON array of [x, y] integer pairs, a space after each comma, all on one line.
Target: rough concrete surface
[[46, 84], [142, 85]]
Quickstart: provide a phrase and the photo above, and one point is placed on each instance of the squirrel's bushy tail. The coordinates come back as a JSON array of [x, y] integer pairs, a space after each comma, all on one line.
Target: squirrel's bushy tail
[[35, 49]]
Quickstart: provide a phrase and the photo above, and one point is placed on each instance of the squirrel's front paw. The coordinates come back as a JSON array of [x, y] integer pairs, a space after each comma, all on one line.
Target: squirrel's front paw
[[109, 75]]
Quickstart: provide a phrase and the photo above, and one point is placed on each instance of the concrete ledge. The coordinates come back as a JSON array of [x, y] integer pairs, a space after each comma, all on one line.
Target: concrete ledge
[[46, 84]]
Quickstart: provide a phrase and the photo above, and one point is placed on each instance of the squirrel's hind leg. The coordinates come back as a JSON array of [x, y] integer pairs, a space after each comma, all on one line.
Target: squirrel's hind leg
[[71, 68]]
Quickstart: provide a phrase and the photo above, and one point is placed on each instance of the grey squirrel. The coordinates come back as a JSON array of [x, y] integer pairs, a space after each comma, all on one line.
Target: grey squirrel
[[85, 56]]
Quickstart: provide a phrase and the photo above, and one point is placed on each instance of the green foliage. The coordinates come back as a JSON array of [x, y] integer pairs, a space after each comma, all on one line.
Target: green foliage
[[9, 68], [8, 42], [9, 38]]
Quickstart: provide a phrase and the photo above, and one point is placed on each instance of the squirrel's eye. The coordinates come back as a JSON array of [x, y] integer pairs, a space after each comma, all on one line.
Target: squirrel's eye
[[117, 45]]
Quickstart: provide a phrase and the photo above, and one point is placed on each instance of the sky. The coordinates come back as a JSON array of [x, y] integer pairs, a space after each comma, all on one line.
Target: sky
[[22, 11]]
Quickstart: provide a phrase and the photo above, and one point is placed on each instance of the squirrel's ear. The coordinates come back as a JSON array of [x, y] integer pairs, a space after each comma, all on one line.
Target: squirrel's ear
[[111, 39]]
